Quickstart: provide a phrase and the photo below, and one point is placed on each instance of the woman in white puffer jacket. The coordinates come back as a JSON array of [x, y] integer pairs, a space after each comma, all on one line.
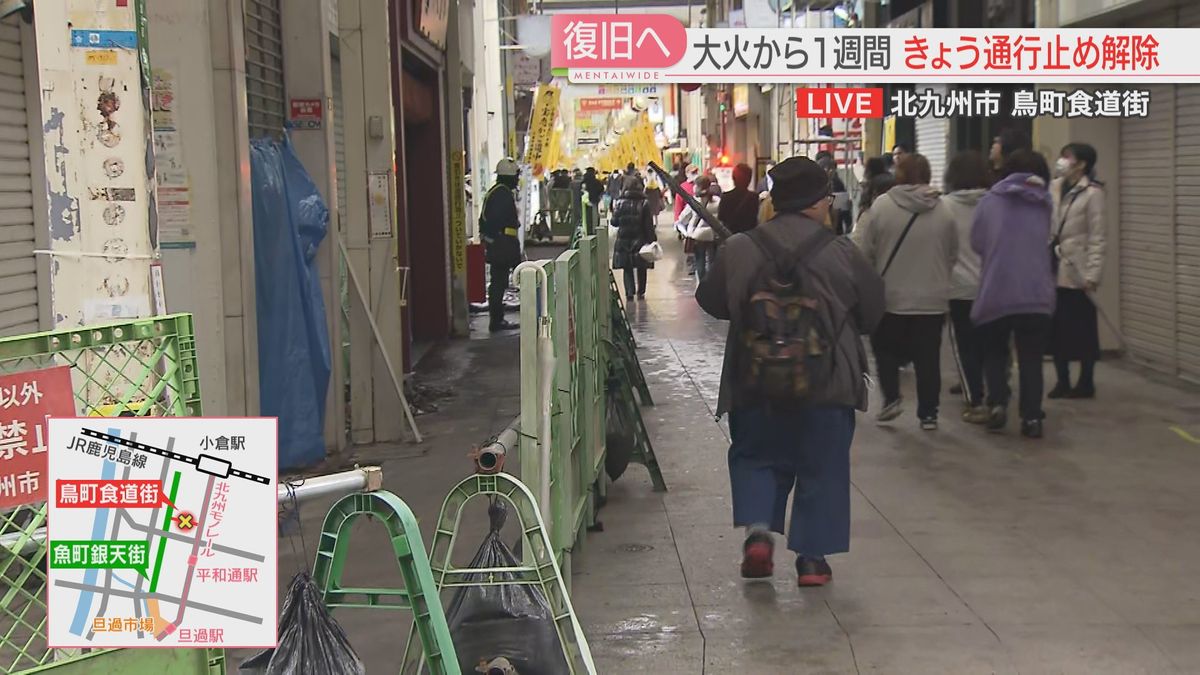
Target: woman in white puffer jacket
[[1077, 248]]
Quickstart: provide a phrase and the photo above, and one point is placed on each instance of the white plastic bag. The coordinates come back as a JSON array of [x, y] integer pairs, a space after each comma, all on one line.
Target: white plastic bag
[[703, 232], [651, 252]]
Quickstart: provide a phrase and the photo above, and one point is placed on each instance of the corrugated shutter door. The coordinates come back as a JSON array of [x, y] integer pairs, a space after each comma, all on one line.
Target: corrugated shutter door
[[339, 139], [1187, 217], [264, 68], [1187, 230], [931, 135], [18, 266], [1147, 174]]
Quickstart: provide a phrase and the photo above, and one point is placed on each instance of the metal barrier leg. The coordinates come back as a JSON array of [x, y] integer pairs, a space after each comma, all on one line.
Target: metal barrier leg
[[622, 338], [643, 452], [419, 594], [543, 572]]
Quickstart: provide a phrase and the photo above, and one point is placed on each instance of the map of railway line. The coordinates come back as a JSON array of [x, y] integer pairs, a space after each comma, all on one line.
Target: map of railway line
[[144, 548]]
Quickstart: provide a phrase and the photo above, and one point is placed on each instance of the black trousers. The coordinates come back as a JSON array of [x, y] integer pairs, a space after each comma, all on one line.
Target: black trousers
[[497, 285], [1030, 332], [635, 284], [901, 338], [970, 351]]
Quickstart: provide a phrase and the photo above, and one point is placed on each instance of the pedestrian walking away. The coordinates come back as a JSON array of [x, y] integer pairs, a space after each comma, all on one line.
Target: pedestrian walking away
[[1016, 287], [909, 236], [700, 240], [877, 180], [1077, 254], [687, 181], [791, 388], [968, 178], [739, 207], [500, 225], [635, 228]]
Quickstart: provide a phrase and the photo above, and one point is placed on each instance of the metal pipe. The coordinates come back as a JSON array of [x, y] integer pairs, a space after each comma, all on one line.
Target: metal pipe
[[362, 479], [490, 458]]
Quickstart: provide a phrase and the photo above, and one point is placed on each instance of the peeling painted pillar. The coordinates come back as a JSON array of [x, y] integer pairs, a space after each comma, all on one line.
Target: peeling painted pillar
[[94, 121]]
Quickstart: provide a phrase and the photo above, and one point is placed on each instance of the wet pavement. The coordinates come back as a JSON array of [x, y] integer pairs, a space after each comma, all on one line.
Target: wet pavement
[[970, 553]]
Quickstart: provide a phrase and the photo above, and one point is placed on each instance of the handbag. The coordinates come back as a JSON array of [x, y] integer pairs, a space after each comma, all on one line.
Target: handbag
[[651, 252], [703, 232]]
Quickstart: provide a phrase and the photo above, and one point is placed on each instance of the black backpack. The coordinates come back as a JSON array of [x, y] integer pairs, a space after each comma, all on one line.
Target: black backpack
[[787, 350]]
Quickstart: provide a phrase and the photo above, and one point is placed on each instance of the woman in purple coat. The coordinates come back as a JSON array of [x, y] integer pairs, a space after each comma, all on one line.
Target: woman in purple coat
[[1016, 291]]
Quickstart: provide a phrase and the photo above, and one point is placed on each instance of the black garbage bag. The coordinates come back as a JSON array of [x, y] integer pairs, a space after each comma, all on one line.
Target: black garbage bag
[[310, 641], [491, 624], [618, 435]]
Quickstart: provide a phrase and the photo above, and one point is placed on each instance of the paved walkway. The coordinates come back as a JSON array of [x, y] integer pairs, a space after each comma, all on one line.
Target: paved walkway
[[971, 553]]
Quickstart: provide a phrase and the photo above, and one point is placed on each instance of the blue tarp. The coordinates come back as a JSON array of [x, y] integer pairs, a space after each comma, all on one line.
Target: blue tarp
[[290, 220]]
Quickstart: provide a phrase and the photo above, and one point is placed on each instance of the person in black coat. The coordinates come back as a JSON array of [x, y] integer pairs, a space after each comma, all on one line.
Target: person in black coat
[[635, 229], [594, 187], [499, 225]]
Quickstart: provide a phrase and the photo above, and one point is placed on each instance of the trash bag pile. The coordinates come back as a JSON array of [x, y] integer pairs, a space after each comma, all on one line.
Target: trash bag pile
[[310, 641], [505, 628]]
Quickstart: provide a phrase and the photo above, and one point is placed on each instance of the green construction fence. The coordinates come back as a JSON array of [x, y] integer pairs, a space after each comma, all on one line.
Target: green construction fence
[[141, 367]]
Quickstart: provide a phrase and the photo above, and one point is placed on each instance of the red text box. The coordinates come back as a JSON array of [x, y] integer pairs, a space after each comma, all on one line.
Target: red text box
[[100, 494], [839, 102], [26, 400]]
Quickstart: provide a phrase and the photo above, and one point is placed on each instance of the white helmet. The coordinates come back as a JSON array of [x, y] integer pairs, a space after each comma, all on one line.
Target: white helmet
[[507, 167]]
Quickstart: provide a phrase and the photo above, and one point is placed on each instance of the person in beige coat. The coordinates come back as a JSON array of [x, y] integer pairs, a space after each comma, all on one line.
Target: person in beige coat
[[1077, 250], [910, 238]]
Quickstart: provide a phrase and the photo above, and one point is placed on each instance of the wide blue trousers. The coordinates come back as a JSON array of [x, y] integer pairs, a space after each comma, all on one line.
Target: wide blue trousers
[[805, 453]]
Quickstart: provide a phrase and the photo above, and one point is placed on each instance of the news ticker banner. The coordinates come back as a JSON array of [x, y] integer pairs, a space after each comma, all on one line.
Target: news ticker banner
[[856, 103], [649, 48]]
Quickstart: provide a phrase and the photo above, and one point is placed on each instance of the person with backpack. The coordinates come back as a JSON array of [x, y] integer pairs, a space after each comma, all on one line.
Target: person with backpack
[[798, 299], [910, 237]]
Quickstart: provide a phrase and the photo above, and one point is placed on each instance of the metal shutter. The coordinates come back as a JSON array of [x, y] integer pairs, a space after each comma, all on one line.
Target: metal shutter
[[1146, 193], [1187, 217], [264, 68], [339, 138], [18, 268], [1187, 230], [931, 140]]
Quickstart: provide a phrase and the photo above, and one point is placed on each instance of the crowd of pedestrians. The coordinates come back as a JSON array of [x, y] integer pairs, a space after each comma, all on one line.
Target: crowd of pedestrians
[[1005, 260]]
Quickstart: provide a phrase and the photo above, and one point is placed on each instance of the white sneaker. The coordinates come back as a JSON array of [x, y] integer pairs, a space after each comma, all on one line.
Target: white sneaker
[[891, 411]]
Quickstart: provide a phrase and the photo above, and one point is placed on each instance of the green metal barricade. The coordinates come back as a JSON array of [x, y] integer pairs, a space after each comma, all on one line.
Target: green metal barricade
[[419, 594], [575, 310], [142, 367], [540, 568]]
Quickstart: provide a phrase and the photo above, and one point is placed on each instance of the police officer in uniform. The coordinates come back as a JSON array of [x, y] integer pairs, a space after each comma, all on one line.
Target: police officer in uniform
[[500, 225]]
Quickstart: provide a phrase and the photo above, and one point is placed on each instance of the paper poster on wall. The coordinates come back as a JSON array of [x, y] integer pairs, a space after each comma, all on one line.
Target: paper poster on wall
[[163, 99], [379, 204], [169, 168], [175, 218], [102, 310]]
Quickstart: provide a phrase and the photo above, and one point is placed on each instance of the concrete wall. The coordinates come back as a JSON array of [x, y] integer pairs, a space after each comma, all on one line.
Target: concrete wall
[[99, 196], [182, 58], [367, 96]]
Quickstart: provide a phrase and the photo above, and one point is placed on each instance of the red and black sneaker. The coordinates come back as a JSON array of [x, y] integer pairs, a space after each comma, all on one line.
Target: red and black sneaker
[[758, 556], [813, 571]]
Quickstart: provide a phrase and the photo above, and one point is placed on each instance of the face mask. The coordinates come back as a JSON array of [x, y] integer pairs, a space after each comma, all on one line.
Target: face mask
[[1062, 166]]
